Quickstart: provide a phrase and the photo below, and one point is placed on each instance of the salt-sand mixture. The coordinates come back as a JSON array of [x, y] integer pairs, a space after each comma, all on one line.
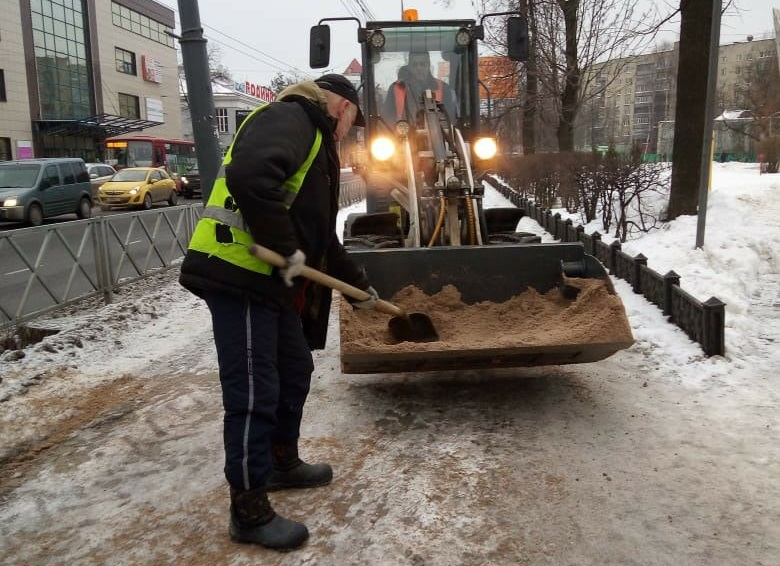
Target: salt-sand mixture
[[529, 319]]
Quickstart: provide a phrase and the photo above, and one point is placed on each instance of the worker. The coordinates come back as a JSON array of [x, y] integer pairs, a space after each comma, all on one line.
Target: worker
[[406, 94], [278, 187]]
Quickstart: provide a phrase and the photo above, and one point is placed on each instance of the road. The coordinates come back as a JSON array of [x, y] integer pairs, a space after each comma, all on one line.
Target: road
[[118, 459]]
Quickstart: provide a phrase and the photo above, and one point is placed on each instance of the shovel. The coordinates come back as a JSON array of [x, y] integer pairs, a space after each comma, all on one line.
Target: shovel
[[405, 327]]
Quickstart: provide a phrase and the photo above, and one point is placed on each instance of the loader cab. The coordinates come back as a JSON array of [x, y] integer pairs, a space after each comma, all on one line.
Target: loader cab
[[452, 48], [398, 54]]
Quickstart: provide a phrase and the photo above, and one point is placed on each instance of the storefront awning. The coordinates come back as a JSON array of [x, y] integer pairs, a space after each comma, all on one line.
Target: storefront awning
[[99, 126]]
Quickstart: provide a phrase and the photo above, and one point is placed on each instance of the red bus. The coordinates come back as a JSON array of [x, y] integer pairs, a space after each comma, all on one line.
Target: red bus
[[175, 156]]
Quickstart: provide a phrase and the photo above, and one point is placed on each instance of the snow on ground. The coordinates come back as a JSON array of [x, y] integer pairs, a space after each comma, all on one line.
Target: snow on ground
[[151, 350]]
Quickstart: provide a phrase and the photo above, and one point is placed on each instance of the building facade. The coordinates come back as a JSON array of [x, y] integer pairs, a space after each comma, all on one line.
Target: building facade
[[232, 103], [74, 72], [631, 101]]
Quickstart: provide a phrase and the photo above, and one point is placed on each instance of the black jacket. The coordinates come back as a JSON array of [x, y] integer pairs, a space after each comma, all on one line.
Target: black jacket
[[268, 150]]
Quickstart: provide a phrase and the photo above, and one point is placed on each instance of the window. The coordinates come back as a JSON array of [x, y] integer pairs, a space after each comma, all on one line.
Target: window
[[125, 61], [68, 174], [222, 120], [51, 177], [2, 86], [128, 106], [5, 149], [139, 24]]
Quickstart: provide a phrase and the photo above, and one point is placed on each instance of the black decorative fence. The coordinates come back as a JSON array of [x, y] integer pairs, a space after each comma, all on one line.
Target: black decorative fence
[[703, 322]]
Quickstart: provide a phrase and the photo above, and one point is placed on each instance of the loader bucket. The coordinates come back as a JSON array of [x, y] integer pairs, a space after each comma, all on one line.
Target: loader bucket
[[495, 276]]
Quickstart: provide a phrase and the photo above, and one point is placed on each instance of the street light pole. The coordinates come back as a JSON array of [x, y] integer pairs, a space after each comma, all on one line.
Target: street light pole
[[199, 95]]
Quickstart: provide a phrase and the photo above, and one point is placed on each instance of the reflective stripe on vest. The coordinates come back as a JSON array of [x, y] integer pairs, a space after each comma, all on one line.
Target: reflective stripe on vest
[[221, 213], [400, 96]]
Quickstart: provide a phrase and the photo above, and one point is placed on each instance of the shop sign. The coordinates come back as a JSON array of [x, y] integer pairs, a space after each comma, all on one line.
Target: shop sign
[[262, 92]]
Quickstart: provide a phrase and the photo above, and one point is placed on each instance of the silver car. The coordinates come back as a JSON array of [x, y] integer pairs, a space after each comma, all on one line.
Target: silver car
[[99, 173]]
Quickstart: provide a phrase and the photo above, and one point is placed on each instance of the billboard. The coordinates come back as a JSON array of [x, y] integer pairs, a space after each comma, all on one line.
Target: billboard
[[501, 77]]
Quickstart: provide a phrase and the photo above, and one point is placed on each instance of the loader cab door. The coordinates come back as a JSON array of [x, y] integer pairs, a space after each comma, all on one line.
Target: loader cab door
[[413, 58]]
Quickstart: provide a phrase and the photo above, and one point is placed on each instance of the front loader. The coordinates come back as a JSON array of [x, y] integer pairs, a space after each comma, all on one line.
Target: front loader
[[425, 225]]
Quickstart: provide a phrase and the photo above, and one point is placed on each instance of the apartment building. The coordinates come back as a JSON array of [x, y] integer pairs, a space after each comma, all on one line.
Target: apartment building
[[631, 101], [74, 72]]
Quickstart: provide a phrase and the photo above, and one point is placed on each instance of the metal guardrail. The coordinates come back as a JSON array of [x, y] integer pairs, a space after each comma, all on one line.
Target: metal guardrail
[[48, 267], [704, 322]]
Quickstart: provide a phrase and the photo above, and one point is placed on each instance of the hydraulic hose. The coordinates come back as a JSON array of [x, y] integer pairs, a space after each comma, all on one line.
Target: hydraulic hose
[[439, 221], [474, 217]]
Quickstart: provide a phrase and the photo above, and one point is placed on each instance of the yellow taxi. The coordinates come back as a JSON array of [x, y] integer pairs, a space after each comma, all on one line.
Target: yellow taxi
[[137, 187]]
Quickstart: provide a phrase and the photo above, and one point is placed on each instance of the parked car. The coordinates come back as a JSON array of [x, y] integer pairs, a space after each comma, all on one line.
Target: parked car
[[99, 173], [34, 189], [190, 182], [137, 187]]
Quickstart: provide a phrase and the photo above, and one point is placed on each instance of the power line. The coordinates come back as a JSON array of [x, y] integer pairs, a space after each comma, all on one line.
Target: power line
[[350, 9], [286, 67], [365, 9]]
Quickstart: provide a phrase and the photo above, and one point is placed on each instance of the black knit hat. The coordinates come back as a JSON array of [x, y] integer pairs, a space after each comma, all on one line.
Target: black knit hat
[[341, 85]]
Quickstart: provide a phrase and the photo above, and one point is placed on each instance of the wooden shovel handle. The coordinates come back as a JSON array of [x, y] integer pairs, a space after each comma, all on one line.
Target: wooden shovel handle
[[275, 259]]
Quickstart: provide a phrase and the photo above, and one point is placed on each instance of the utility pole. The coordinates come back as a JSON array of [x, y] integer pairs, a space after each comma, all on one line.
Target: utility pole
[[709, 115], [201, 100]]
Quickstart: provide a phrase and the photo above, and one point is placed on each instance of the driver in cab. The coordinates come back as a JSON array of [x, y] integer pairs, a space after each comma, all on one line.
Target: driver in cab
[[405, 96]]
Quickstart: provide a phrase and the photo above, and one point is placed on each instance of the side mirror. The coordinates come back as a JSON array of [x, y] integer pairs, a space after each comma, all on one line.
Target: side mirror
[[93, 175], [517, 38], [319, 46]]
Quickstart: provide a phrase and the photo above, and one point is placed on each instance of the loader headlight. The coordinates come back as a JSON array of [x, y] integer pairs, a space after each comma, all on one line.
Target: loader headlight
[[463, 37], [402, 128], [382, 148], [377, 39], [485, 148]]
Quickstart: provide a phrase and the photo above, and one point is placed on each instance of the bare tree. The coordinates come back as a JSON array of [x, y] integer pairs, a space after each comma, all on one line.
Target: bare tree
[[281, 82], [575, 35], [217, 70]]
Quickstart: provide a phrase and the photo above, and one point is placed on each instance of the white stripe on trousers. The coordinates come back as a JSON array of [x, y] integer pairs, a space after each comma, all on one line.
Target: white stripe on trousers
[[251, 396]]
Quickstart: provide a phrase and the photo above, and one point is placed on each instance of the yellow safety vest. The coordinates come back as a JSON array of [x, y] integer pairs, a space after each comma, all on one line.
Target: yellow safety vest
[[222, 210]]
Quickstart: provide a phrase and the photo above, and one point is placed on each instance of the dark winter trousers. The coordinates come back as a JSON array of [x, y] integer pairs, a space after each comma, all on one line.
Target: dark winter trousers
[[265, 368]]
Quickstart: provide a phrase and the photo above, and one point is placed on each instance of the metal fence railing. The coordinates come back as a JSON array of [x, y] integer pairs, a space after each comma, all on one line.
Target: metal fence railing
[[703, 322], [48, 267]]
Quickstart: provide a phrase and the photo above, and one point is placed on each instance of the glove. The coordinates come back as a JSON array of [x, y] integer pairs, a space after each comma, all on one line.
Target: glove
[[368, 303], [295, 264]]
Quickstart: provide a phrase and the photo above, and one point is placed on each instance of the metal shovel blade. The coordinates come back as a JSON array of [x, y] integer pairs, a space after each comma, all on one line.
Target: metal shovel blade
[[416, 327]]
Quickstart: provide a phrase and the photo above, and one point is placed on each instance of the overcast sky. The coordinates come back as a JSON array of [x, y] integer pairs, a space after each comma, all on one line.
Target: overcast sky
[[257, 40]]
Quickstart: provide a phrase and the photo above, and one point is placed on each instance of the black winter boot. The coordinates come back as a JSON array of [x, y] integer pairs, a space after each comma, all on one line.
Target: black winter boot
[[253, 520], [292, 472]]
